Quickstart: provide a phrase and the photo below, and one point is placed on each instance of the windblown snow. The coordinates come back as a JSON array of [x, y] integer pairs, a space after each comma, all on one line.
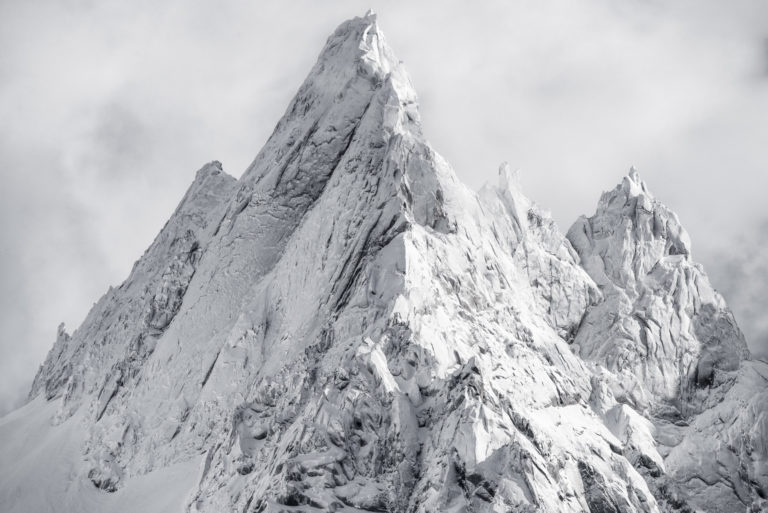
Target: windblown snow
[[349, 328]]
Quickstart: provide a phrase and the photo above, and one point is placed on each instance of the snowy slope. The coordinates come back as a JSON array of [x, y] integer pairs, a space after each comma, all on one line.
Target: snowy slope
[[349, 328], [668, 347], [41, 466]]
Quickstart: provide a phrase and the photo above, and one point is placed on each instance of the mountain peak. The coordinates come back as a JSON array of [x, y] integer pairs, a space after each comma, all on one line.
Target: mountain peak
[[633, 185], [350, 328], [357, 88], [365, 40], [639, 254], [358, 45], [633, 174]]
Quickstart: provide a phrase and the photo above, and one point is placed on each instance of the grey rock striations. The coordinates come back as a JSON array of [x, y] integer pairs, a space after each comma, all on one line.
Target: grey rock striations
[[347, 327]]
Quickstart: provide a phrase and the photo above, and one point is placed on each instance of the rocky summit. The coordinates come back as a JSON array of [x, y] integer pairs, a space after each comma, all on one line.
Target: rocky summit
[[349, 328]]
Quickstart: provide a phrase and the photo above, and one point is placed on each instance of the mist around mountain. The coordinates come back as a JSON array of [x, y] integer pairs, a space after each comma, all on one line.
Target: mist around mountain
[[741, 272], [348, 327]]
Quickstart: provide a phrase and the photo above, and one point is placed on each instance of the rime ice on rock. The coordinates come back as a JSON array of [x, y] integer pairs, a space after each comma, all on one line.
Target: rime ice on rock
[[349, 328], [661, 320], [675, 354]]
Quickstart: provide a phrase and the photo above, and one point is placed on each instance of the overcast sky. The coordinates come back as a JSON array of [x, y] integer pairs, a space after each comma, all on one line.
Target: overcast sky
[[109, 108]]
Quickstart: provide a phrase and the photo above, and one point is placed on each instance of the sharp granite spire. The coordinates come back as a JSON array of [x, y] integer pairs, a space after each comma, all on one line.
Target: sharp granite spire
[[638, 253], [349, 328]]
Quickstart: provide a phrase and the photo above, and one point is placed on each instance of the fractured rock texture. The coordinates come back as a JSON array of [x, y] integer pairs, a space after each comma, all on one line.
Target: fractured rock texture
[[349, 328]]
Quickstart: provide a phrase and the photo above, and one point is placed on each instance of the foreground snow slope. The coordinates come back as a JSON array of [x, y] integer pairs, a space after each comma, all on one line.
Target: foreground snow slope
[[42, 470], [349, 328]]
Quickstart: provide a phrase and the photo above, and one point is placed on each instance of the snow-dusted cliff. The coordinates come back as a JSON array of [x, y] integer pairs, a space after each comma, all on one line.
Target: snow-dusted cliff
[[349, 328], [670, 350]]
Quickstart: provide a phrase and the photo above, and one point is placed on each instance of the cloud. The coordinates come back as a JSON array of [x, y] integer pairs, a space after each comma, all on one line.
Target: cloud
[[47, 259], [741, 269], [110, 108]]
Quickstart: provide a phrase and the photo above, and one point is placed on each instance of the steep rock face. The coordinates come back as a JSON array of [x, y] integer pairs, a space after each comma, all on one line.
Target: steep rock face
[[661, 320], [121, 331], [295, 240], [719, 461], [417, 387], [349, 328], [564, 290], [674, 378]]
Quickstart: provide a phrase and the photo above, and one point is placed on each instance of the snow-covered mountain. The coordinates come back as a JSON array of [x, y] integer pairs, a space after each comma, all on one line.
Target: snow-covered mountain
[[349, 328]]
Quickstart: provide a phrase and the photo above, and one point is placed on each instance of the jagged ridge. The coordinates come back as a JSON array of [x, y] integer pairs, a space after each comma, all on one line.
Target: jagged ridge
[[348, 327]]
